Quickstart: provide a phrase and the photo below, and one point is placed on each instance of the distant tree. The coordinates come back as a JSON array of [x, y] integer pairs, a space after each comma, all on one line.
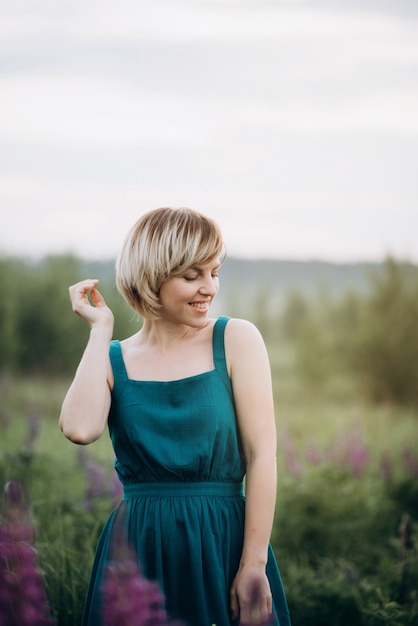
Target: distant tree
[[263, 312], [12, 278], [295, 315], [305, 323], [370, 336], [385, 345], [50, 335]]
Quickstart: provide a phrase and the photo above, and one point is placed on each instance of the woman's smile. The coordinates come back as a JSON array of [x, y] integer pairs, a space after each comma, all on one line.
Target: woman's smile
[[201, 306]]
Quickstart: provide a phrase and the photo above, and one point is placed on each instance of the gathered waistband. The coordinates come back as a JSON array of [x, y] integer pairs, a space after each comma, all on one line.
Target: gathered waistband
[[229, 489]]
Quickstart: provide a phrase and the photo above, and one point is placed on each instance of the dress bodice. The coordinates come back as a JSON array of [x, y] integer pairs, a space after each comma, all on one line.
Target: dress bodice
[[180, 430]]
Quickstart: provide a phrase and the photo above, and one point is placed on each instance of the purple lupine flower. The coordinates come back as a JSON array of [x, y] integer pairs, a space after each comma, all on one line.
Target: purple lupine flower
[[350, 451], [386, 467], [337, 451], [358, 456], [292, 463], [129, 598], [98, 484], [313, 455], [23, 599], [13, 495], [334, 453], [410, 461]]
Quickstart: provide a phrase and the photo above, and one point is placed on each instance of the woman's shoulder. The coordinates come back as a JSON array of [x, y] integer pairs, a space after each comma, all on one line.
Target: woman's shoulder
[[239, 332], [239, 325], [244, 348]]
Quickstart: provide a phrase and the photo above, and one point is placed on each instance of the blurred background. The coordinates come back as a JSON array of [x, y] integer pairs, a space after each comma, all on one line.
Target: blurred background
[[294, 124]]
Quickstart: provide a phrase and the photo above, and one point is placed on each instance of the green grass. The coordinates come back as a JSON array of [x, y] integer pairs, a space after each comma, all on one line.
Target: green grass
[[336, 536], [321, 413]]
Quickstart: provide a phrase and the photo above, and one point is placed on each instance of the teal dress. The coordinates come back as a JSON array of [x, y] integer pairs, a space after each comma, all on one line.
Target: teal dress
[[178, 457]]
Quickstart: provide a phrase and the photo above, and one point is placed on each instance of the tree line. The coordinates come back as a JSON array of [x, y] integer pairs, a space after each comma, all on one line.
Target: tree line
[[39, 333], [371, 334]]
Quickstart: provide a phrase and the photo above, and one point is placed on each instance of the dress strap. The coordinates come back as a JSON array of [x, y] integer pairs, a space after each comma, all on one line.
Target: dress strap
[[118, 366], [218, 343]]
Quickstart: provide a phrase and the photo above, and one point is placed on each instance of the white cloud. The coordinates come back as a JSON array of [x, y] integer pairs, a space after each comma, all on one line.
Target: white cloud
[[92, 220], [78, 112], [192, 21], [292, 123]]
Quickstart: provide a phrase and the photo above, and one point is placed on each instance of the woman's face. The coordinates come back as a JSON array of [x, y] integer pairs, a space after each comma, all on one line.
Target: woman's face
[[186, 298]]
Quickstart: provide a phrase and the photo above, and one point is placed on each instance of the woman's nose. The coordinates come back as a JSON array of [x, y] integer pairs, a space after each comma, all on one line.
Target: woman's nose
[[209, 285]]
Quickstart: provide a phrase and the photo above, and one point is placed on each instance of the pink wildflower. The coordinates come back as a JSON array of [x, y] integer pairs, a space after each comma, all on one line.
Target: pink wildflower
[[358, 457], [129, 598], [23, 600], [292, 463], [410, 461], [350, 451], [386, 468], [313, 455]]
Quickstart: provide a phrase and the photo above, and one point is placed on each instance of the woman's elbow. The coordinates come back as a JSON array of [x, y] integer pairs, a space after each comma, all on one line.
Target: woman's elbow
[[79, 435]]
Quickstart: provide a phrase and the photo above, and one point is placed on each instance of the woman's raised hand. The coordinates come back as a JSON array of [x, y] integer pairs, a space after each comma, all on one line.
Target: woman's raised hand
[[94, 310]]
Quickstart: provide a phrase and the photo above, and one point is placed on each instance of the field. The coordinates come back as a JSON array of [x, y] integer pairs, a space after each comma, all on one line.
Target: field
[[347, 510]]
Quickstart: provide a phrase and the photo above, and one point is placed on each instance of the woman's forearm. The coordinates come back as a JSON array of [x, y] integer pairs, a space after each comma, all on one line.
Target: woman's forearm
[[261, 483]]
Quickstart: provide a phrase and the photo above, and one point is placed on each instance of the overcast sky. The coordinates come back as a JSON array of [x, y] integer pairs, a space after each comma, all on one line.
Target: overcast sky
[[293, 123]]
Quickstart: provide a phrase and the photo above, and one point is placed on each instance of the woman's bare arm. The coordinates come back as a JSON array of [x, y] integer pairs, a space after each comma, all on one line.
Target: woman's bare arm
[[86, 405], [251, 381]]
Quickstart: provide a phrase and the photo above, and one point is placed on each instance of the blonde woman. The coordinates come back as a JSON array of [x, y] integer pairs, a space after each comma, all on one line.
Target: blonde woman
[[188, 403]]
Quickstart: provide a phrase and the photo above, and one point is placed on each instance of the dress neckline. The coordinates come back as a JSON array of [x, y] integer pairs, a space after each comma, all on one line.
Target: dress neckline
[[217, 327]]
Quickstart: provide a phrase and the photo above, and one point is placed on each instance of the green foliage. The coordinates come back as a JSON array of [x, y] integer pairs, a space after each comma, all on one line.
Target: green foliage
[[342, 556], [44, 324], [339, 535], [296, 316], [39, 333], [64, 533], [385, 350], [54, 482], [327, 596], [346, 543], [372, 337], [11, 280]]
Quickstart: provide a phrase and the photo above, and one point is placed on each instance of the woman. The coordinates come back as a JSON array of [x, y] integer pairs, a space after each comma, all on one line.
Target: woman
[[188, 402]]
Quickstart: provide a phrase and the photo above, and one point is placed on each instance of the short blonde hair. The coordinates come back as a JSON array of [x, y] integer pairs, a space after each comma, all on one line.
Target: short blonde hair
[[163, 243]]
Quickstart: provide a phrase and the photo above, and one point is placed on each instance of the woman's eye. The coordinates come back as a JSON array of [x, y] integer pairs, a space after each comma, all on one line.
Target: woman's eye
[[190, 277]]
